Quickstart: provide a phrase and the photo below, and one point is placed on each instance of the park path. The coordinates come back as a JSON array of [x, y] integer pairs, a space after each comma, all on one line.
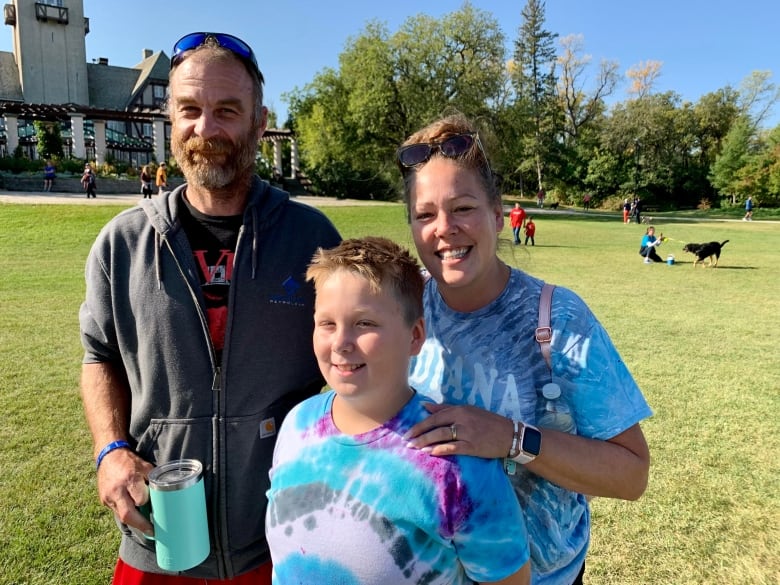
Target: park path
[[44, 198]]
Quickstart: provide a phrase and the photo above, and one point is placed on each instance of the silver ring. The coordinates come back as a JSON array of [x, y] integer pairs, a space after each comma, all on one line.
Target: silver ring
[[454, 432]]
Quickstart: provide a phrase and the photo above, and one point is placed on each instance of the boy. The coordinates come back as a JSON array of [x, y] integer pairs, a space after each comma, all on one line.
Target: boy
[[530, 230], [350, 502]]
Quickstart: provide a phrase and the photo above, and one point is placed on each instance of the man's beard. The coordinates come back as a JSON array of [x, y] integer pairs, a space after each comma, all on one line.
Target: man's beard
[[215, 163]]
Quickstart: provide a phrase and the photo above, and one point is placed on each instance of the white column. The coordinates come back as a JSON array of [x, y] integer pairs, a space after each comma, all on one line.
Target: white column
[[158, 135], [293, 156], [77, 135], [278, 157], [11, 133], [100, 141]]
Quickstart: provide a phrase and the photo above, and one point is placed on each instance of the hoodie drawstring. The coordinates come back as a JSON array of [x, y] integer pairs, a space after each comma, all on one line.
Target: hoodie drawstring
[[157, 260], [254, 242]]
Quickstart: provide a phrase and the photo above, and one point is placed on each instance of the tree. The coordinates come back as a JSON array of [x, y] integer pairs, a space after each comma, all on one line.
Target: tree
[[351, 120], [771, 168], [727, 172], [643, 77], [715, 113], [534, 79], [581, 108], [49, 139], [652, 139], [757, 96]]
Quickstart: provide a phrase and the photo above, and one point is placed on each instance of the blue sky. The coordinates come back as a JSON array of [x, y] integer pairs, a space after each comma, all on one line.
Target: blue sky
[[704, 45]]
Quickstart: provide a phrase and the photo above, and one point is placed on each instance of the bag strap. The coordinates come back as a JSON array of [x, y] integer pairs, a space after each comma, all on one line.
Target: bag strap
[[544, 331]]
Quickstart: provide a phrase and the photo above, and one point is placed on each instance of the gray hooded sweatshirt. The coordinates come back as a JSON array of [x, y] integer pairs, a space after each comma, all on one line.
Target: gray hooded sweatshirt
[[144, 312]]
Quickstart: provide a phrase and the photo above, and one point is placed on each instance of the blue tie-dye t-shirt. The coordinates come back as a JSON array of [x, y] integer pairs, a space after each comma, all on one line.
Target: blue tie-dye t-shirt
[[490, 358], [366, 509]]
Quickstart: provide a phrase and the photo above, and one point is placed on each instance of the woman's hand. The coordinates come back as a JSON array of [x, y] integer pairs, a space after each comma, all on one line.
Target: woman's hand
[[462, 430]]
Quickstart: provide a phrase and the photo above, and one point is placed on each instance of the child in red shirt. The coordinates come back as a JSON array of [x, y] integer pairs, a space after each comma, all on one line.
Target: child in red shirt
[[530, 230]]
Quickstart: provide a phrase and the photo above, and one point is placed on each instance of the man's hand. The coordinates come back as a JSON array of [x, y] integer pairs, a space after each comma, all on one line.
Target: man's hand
[[122, 487]]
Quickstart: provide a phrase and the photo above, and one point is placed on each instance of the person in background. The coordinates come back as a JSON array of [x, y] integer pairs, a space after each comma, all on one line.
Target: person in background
[[540, 196], [146, 182], [637, 209], [88, 182], [342, 466], [197, 322], [626, 211], [161, 179], [49, 173], [530, 230], [748, 209], [586, 201], [481, 358], [648, 246], [517, 221]]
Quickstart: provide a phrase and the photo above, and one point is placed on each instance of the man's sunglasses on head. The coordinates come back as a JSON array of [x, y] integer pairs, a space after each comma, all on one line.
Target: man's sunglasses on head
[[229, 42]]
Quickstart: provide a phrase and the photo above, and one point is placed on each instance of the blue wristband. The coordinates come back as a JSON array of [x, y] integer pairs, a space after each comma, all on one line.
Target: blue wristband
[[108, 448]]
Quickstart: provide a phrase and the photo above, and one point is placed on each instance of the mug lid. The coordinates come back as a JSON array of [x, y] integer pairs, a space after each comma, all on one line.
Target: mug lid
[[176, 475]]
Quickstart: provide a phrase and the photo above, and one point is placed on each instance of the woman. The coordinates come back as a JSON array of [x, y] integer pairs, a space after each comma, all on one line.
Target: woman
[[146, 182], [648, 246], [49, 173], [482, 359]]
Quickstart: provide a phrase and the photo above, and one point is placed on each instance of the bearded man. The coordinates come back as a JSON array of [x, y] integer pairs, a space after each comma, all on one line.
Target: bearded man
[[197, 322]]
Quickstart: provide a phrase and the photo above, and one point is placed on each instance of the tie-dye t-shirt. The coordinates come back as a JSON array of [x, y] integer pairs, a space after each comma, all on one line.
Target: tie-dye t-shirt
[[366, 509], [490, 358]]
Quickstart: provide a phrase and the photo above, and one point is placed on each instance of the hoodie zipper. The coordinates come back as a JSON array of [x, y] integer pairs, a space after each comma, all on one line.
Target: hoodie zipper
[[216, 387]]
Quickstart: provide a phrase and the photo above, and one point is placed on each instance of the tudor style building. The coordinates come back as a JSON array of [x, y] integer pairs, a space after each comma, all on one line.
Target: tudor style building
[[102, 109]]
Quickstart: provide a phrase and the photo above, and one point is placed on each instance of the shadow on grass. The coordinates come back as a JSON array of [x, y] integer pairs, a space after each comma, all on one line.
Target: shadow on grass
[[718, 267]]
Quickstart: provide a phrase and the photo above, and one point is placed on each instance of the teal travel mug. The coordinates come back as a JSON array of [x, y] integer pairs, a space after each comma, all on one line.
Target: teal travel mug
[[178, 503]]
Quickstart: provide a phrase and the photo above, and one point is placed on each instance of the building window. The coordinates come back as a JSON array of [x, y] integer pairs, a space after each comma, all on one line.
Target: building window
[[51, 11], [158, 91]]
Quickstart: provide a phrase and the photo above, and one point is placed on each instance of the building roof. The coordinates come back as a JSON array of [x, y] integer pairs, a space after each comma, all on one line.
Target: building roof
[[10, 88], [110, 87], [153, 68]]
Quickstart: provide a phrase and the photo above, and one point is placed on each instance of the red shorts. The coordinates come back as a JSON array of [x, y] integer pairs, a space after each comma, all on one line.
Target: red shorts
[[124, 574]]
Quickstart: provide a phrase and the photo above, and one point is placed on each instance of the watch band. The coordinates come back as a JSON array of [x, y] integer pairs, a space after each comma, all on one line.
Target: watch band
[[516, 433], [517, 454]]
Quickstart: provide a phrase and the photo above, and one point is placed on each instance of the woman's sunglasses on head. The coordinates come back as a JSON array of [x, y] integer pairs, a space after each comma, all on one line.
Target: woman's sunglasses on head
[[452, 147], [229, 42]]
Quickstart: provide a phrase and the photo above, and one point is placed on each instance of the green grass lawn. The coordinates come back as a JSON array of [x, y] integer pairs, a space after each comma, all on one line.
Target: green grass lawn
[[702, 343]]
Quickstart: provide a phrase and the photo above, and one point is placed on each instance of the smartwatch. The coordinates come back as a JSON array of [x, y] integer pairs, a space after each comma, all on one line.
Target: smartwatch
[[530, 444], [526, 443]]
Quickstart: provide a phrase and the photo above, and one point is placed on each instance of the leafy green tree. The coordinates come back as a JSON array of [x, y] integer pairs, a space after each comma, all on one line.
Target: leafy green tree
[[715, 113], [727, 174], [49, 139], [771, 167], [350, 121], [652, 139]]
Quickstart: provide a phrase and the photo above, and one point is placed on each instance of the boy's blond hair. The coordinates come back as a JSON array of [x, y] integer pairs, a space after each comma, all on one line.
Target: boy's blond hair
[[382, 262]]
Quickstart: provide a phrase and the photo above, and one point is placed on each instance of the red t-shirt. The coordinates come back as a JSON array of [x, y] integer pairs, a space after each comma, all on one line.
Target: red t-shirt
[[516, 217]]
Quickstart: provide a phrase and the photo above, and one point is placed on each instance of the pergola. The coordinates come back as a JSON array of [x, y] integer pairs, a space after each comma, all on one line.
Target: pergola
[[77, 114]]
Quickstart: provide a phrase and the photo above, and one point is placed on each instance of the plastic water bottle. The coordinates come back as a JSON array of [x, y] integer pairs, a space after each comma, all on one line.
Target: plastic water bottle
[[557, 415]]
